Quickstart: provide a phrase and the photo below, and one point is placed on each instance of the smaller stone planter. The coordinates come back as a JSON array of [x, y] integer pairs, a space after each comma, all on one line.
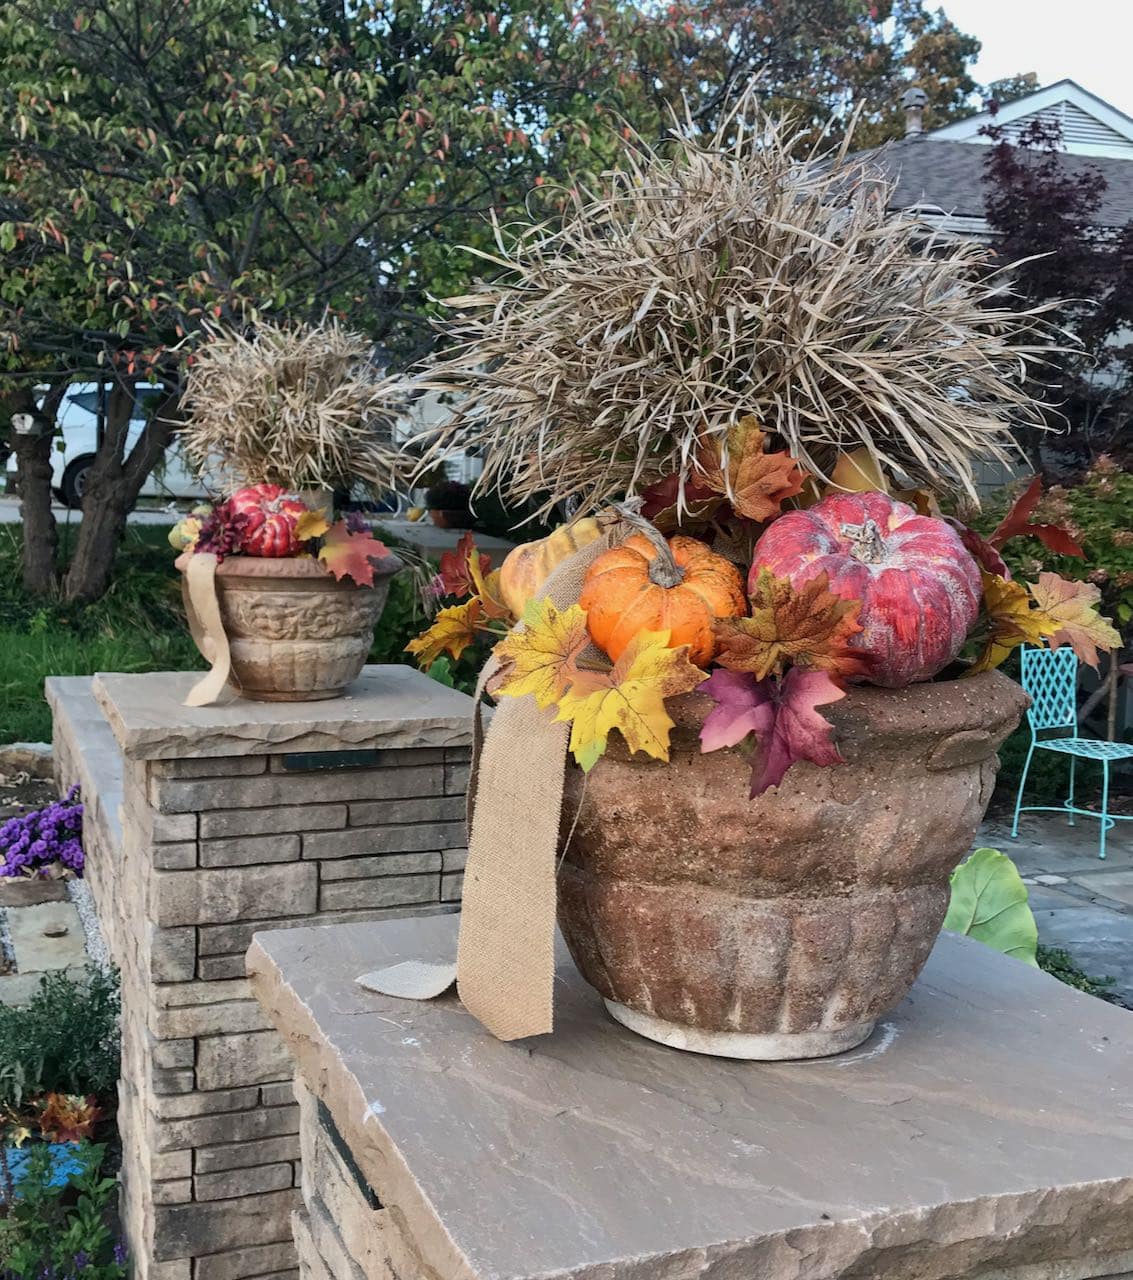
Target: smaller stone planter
[[295, 633]]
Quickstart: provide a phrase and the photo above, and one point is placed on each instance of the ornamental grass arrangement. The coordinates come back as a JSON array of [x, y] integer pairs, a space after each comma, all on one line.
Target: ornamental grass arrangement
[[282, 594], [759, 665]]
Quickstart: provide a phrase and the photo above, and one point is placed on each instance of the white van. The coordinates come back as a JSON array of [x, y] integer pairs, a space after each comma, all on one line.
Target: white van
[[80, 418]]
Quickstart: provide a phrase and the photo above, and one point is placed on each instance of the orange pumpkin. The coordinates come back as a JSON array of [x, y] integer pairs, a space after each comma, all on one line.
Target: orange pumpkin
[[647, 584]]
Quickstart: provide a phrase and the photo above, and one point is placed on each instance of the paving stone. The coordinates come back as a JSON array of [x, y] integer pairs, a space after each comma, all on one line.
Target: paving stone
[[297, 817], [255, 1057], [1117, 885], [1050, 880], [242, 1182], [245, 850], [234, 893], [387, 864], [276, 789], [373, 813], [20, 892], [1100, 941], [212, 1102], [387, 706], [260, 1261], [385, 891], [217, 1225], [242, 1155], [237, 1126], [174, 857], [364, 841], [46, 936], [226, 1018]]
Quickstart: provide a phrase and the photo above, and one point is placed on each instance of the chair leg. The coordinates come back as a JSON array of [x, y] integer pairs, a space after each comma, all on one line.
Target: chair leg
[[1105, 808], [1070, 800], [1019, 797]]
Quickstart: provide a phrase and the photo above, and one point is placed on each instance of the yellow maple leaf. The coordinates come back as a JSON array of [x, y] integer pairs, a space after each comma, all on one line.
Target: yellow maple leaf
[[453, 630], [630, 698], [311, 524], [1011, 622], [540, 657], [1072, 608], [488, 589]]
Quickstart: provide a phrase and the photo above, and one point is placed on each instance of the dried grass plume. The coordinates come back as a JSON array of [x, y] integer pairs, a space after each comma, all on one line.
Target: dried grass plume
[[303, 407], [721, 276]]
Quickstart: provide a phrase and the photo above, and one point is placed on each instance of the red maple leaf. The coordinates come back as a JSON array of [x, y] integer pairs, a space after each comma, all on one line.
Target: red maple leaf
[[1016, 524], [456, 573], [348, 555], [779, 713]]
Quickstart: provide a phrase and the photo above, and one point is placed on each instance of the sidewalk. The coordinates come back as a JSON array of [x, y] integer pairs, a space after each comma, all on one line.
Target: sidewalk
[[1081, 903]]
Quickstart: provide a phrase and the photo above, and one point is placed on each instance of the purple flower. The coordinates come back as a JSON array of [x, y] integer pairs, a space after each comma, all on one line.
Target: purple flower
[[36, 841]]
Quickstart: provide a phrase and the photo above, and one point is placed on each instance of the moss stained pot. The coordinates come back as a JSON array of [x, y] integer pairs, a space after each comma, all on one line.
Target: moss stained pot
[[784, 926], [295, 633]]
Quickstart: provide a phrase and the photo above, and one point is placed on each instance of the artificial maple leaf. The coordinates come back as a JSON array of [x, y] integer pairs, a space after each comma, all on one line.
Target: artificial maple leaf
[[462, 567], [68, 1117], [858, 471], [453, 630], [311, 524], [984, 554], [347, 554], [1015, 524], [630, 698], [780, 713], [1011, 622], [757, 483], [541, 656], [672, 503], [807, 626], [1072, 606]]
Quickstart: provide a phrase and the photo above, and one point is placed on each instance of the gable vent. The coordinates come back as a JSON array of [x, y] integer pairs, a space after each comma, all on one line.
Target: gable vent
[[1082, 133]]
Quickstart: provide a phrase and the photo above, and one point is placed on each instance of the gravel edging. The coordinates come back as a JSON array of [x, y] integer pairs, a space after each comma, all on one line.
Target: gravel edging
[[79, 893]]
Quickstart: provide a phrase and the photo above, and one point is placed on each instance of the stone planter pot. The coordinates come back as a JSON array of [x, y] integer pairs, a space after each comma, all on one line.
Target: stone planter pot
[[295, 633], [785, 926]]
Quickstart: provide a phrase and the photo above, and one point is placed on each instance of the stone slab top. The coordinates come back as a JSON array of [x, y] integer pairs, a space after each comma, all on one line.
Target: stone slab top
[[985, 1130], [387, 706]]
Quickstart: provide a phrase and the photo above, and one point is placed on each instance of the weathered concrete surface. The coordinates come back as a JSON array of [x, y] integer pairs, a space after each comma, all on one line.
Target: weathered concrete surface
[[386, 707], [985, 1131]]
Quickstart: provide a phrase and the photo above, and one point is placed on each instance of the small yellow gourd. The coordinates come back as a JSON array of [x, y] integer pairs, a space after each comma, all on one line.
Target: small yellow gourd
[[527, 567]]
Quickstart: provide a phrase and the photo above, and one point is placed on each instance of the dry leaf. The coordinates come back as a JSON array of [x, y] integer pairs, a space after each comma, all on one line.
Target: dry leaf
[[807, 626], [540, 657], [757, 483], [463, 569], [1072, 607], [347, 554], [1015, 524], [630, 698], [1011, 622], [453, 630]]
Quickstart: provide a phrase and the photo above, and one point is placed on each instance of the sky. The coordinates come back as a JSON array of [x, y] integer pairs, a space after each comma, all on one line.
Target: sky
[[1090, 41]]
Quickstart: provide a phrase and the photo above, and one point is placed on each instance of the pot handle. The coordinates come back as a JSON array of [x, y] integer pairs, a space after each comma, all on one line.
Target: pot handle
[[198, 589]]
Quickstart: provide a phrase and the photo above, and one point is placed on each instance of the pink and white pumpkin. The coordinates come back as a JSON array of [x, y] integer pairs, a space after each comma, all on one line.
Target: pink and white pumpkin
[[271, 514], [918, 584]]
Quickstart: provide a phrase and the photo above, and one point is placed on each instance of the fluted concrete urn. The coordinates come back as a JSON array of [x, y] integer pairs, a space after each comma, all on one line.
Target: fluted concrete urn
[[784, 926], [295, 633]]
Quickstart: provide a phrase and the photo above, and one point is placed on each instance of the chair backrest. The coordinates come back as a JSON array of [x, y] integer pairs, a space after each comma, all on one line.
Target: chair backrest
[[1050, 678]]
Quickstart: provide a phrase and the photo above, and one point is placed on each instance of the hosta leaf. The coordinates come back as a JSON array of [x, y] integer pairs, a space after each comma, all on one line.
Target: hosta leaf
[[989, 903]]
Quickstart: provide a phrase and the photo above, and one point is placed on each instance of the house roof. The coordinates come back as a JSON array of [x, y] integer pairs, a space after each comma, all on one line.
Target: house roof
[[946, 176]]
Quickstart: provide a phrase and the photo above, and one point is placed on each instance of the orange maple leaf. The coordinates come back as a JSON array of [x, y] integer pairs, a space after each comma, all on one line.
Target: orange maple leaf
[[1011, 621], [757, 483], [68, 1117], [348, 555], [453, 630], [1072, 606], [808, 626]]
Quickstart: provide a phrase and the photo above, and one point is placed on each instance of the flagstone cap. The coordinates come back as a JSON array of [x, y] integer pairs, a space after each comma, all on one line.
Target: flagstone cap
[[985, 1130], [386, 707]]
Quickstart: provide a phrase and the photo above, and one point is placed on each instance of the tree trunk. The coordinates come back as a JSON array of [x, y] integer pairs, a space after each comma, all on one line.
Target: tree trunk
[[113, 485], [40, 542]]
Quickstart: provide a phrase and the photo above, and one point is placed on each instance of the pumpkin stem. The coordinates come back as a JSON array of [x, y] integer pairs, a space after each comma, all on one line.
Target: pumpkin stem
[[663, 569], [866, 542]]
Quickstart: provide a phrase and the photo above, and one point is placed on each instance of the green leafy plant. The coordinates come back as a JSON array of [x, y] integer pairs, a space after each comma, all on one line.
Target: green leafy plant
[[989, 903], [64, 1040], [1060, 964], [59, 1231]]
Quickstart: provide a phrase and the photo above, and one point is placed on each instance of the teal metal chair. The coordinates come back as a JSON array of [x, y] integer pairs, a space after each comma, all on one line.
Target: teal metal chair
[[1050, 678]]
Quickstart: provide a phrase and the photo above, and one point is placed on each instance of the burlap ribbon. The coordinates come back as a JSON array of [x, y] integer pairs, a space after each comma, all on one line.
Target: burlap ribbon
[[202, 608], [505, 963]]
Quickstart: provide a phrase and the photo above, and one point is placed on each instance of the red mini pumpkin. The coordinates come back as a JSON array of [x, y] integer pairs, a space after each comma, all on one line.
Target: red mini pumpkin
[[918, 585], [270, 514], [647, 584]]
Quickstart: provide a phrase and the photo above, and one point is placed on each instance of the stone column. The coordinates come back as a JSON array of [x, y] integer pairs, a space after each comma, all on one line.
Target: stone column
[[232, 820]]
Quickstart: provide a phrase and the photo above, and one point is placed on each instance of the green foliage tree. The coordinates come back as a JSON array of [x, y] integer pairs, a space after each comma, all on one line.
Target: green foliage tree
[[165, 163]]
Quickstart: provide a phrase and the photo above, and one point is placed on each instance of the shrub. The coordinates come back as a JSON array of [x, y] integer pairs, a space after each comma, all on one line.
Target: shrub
[[55, 1232], [64, 1040]]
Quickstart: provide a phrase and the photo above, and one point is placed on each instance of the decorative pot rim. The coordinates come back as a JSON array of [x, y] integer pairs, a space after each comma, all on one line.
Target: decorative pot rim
[[288, 567]]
